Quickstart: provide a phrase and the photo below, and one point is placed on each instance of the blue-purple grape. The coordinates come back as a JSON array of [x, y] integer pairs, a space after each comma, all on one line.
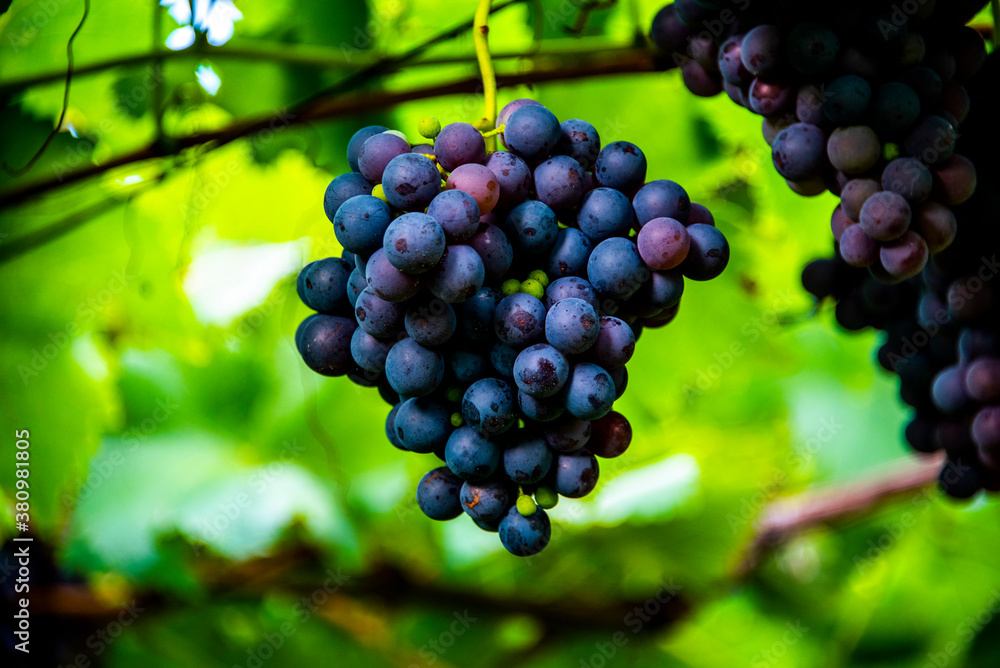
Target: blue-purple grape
[[388, 282], [661, 199], [514, 176], [572, 326], [605, 213], [615, 268], [559, 182], [519, 320], [411, 182], [413, 370], [532, 227], [488, 406], [540, 371], [569, 254], [531, 132], [579, 140], [459, 144], [325, 344], [380, 318], [620, 165], [343, 188], [358, 140], [527, 462], [576, 474], [438, 495], [376, 153], [457, 213], [708, 255], [590, 392], [414, 243], [422, 425]]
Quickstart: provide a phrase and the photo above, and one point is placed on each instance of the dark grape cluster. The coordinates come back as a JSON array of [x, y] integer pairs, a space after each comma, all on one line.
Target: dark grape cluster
[[942, 328], [495, 297], [864, 99]]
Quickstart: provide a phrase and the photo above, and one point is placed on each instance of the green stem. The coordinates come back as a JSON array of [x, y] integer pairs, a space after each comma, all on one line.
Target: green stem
[[481, 38]]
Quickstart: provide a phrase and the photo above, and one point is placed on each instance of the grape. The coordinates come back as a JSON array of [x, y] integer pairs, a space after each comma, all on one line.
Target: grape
[[662, 291], [699, 215], [527, 462], [511, 107], [663, 243], [494, 249], [380, 318], [457, 213], [569, 434], [956, 101], [572, 326], [847, 100], [519, 320], [525, 536], [478, 181], [932, 141], [986, 433], [579, 140], [731, 64], [812, 48], [325, 344], [486, 501], [936, 224], [411, 181], [467, 367], [459, 144], [559, 182], [949, 392], [959, 480], [610, 436], [905, 257], [414, 243], [341, 189], [430, 322], [885, 216], [355, 284], [532, 227], [709, 253], [590, 392], [376, 153], [699, 80], [768, 98], [369, 352], [761, 50], [390, 427], [605, 213], [661, 199], [619, 377], [387, 282], [668, 32], [969, 49], [470, 456], [853, 150], [531, 132], [569, 253], [954, 180], [615, 344], [459, 276], [799, 152], [857, 248], [540, 371], [895, 109], [839, 222], [809, 106], [982, 380], [576, 474], [322, 285], [438, 494], [488, 406], [422, 425], [736, 94], [476, 315], [620, 165], [615, 268], [540, 410], [360, 224], [808, 188], [908, 177], [514, 177], [358, 140], [412, 370], [502, 357], [854, 195], [571, 286]]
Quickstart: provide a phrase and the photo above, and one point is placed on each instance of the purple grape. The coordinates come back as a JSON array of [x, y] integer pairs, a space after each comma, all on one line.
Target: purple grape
[[356, 283], [620, 165], [708, 255], [661, 199], [377, 152], [571, 286], [541, 410], [322, 285], [699, 80], [475, 315], [590, 392], [457, 213], [605, 213], [569, 434], [488, 406], [954, 180], [360, 224], [769, 98], [615, 344], [532, 227], [982, 380], [413, 370], [853, 150], [569, 253], [459, 276], [610, 436], [909, 178], [380, 318], [699, 215], [662, 291], [502, 357], [358, 140], [422, 425], [531, 132], [459, 144], [540, 371], [615, 268], [576, 474], [467, 366], [478, 181], [572, 326], [525, 536], [761, 50], [799, 152], [511, 107], [527, 462], [905, 257], [470, 456], [559, 182], [430, 322], [343, 188], [369, 352], [936, 224], [731, 64], [663, 243], [388, 282], [857, 248], [809, 106], [414, 243], [438, 494], [325, 344], [668, 32], [495, 250], [932, 141], [411, 182], [579, 140], [854, 194], [519, 320], [513, 175], [885, 216], [486, 501]]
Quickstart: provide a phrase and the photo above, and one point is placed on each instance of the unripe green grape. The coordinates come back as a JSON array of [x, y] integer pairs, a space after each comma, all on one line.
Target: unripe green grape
[[540, 276], [533, 288], [526, 505], [456, 420], [429, 127], [510, 287]]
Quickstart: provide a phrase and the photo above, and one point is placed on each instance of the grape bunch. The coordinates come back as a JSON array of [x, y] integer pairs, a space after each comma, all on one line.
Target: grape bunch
[[942, 329], [494, 298], [864, 99]]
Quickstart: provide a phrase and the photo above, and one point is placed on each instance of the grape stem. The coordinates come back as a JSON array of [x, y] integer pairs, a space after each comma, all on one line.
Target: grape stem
[[481, 39], [495, 131]]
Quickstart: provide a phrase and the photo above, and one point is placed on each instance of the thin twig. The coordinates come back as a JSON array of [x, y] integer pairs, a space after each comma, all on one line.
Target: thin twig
[[65, 103]]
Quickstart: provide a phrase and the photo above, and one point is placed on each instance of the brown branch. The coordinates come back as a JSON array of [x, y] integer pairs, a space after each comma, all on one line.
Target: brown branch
[[621, 61]]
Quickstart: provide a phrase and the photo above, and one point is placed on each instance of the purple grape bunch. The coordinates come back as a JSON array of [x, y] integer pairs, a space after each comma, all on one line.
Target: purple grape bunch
[[861, 98], [494, 299]]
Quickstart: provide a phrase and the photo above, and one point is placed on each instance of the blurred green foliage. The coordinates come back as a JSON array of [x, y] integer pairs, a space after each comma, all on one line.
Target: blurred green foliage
[[149, 352]]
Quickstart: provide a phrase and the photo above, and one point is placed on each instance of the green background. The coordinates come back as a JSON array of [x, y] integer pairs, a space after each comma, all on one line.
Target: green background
[[182, 455]]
